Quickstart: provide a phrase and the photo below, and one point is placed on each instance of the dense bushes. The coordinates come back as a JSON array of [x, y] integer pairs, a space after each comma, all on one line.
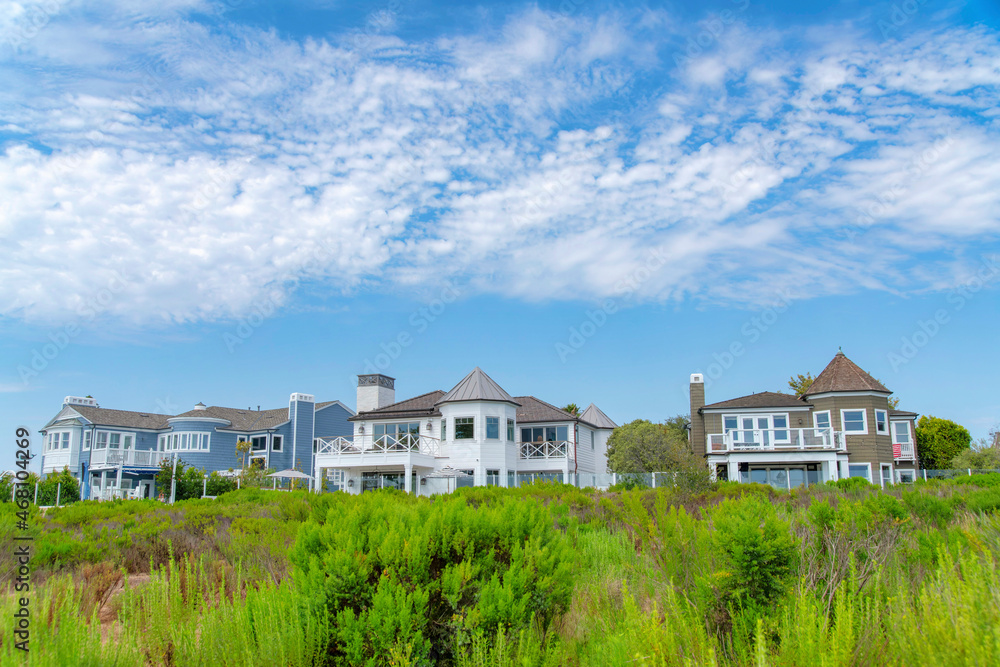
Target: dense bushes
[[416, 579]]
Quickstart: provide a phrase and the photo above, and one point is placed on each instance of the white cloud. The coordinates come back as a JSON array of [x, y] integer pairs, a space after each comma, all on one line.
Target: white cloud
[[215, 168]]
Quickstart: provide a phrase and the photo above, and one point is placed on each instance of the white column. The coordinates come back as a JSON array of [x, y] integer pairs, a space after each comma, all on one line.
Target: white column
[[407, 478], [104, 482]]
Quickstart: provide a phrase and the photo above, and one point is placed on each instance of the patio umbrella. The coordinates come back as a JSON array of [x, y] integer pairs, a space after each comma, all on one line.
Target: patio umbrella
[[290, 474]]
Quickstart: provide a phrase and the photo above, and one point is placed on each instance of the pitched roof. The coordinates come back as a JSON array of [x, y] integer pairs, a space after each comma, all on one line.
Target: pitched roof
[[594, 415], [532, 409], [842, 374], [241, 420], [418, 406], [123, 418], [764, 399], [902, 413], [477, 386]]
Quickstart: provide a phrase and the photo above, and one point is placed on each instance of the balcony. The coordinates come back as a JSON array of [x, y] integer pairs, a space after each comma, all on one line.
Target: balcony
[[128, 458], [383, 444], [771, 440], [532, 451], [904, 452]]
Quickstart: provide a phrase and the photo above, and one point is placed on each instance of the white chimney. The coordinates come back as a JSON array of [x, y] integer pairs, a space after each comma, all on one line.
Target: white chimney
[[375, 391]]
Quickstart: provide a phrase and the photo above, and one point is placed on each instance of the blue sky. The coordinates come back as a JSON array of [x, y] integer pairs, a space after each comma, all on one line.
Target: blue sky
[[230, 201]]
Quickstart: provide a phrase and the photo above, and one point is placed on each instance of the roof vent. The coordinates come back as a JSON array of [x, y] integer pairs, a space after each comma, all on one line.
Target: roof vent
[[308, 398], [80, 400], [200, 406]]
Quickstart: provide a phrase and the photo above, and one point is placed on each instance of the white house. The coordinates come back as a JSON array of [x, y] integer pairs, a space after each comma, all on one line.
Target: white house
[[474, 435]]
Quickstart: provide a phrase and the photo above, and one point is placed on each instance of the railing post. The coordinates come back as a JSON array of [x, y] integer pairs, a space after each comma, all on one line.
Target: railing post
[[925, 474], [58, 492], [654, 480], [614, 478], [204, 486], [36, 495]]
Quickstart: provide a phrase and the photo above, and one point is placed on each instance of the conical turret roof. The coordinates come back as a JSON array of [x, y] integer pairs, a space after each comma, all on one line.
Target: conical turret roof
[[477, 386], [594, 415], [842, 374]]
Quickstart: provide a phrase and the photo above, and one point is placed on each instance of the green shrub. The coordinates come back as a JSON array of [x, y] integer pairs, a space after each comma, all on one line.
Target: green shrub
[[61, 486], [397, 575]]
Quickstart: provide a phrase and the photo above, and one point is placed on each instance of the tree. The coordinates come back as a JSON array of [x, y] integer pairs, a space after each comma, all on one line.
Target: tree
[[58, 485], [573, 409], [939, 441], [983, 455], [642, 446], [799, 384]]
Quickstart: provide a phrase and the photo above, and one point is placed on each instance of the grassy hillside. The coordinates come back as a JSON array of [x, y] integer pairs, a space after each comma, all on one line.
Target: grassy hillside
[[840, 574]]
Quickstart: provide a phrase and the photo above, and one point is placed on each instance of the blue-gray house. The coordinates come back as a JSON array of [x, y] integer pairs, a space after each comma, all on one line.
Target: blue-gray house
[[118, 452]]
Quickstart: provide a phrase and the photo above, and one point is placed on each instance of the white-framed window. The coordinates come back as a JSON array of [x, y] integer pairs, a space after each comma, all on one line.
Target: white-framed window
[[114, 441], [188, 441], [854, 422], [465, 428], [822, 419], [780, 423], [882, 422], [901, 433], [886, 474], [905, 476], [444, 428], [492, 428], [757, 429], [510, 430], [86, 440], [860, 470], [258, 443], [276, 442], [102, 440], [544, 434]]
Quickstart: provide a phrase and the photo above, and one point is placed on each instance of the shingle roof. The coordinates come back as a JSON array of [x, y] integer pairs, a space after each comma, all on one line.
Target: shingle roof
[[534, 410], [124, 418], [901, 413], [418, 406], [477, 386], [242, 420], [764, 399], [594, 415], [842, 374]]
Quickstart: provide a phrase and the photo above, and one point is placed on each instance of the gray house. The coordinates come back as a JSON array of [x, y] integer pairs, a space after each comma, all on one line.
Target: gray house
[[841, 427]]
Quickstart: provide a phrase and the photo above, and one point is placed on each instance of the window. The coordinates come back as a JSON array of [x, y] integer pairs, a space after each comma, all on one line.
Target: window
[[905, 476], [492, 478], [316, 446], [901, 433], [510, 430], [881, 422], [127, 441], [855, 421], [65, 441], [822, 419], [396, 432], [444, 429], [465, 428], [544, 434], [276, 442], [102, 440], [492, 428], [886, 474], [115, 440], [258, 443], [780, 428], [86, 440], [860, 470]]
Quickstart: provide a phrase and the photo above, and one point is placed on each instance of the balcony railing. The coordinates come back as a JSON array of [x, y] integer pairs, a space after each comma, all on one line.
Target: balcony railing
[[383, 444], [138, 458], [776, 439], [905, 450], [545, 450]]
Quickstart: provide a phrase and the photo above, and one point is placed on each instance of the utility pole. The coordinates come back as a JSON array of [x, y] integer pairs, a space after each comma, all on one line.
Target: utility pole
[[173, 481]]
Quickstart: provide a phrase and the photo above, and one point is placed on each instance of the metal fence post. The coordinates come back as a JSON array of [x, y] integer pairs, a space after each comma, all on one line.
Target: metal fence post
[[654, 480], [36, 494], [614, 478], [204, 486], [970, 471], [58, 491], [925, 474]]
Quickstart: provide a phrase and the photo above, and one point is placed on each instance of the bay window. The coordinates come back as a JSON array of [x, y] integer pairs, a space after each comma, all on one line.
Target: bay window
[[465, 428]]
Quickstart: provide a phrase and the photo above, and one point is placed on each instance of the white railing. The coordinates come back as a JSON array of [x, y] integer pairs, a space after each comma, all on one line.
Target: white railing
[[383, 444], [905, 451], [545, 450], [774, 439], [142, 458]]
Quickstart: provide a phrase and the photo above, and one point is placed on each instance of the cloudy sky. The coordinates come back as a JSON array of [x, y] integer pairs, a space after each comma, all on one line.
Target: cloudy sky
[[230, 200]]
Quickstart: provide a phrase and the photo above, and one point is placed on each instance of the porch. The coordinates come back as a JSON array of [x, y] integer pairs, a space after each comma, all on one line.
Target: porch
[[770, 440]]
